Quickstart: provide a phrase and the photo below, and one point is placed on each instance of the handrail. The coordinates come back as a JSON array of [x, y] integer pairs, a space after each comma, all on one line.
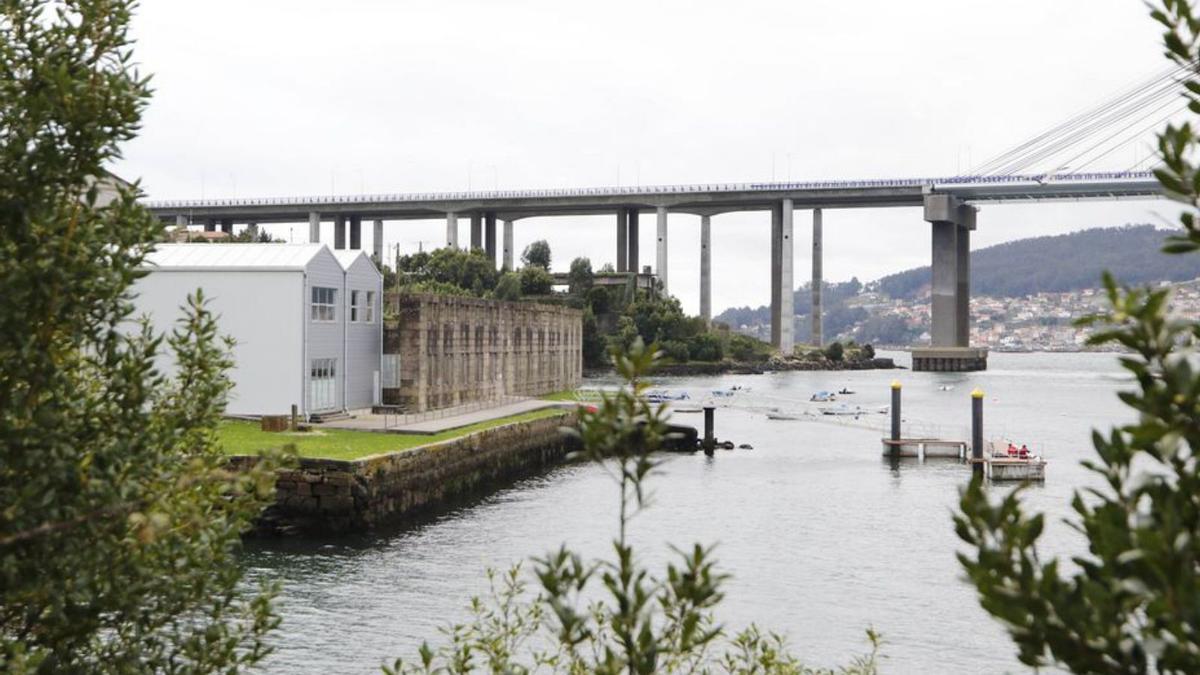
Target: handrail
[[649, 190]]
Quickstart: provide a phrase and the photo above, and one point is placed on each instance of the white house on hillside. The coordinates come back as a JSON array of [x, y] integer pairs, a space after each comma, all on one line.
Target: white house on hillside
[[306, 321]]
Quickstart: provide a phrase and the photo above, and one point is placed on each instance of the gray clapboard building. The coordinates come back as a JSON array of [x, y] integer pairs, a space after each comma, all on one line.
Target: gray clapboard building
[[306, 320]]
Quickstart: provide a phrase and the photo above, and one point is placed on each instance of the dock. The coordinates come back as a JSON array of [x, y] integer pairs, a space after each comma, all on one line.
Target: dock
[[925, 447]]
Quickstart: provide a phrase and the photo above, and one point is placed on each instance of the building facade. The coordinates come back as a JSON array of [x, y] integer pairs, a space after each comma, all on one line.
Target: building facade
[[442, 351], [306, 323]]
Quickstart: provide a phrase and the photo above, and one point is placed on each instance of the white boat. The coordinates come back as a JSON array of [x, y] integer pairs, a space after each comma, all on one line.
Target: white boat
[[845, 409], [665, 396], [823, 397], [782, 416]]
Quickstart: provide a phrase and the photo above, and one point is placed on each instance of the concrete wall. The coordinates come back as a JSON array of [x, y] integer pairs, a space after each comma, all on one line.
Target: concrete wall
[[343, 496], [363, 338], [260, 309], [456, 350]]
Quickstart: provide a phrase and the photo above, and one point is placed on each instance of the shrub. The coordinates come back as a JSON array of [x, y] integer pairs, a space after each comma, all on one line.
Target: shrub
[[536, 280]]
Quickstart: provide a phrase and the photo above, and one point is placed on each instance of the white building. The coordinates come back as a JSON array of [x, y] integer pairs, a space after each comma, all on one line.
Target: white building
[[306, 321]]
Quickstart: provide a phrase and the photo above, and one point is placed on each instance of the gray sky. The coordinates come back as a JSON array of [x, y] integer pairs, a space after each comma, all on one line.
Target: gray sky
[[271, 98]]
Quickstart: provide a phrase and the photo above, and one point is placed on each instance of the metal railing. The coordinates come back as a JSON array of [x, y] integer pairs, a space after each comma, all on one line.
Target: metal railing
[[648, 190]]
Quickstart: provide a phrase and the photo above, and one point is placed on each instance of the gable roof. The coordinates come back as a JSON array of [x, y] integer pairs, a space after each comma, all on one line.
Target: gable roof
[[228, 257], [348, 258]]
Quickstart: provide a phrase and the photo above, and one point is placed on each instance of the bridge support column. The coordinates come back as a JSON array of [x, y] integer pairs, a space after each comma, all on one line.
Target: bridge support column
[[631, 237], [227, 226], [339, 233], [314, 227], [951, 223], [489, 237], [452, 230], [817, 338], [356, 233], [476, 231], [776, 271], [706, 269], [622, 240], [210, 225], [783, 312], [661, 262], [181, 221], [508, 245], [377, 241]]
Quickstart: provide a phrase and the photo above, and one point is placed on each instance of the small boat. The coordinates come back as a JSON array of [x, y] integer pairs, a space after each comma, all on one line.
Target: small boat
[[823, 397], [845, 410], [687, 409], [845, 392], [946, 387], [664, 396], [782, 416]]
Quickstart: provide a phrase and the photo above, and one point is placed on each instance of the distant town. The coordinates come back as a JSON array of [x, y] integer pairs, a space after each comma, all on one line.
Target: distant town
[[1036, 322]]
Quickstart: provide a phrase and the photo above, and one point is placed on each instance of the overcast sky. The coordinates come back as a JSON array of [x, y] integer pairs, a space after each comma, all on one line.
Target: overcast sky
[[272, 98]]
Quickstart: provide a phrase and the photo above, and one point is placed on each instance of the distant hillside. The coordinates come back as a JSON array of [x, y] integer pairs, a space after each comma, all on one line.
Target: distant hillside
[[1060, 263]]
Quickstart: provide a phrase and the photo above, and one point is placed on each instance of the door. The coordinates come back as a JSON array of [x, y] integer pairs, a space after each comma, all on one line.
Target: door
[[322, 385]]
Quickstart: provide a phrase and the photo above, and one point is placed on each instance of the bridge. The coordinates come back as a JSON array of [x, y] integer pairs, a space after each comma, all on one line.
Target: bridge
[[950, 206]]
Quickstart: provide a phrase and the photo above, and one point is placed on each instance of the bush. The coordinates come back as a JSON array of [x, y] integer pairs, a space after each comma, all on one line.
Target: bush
[[675, 350], [835, 352], [599, 299], [580, 277], [706, 347], [868, 352], [536, 281], [508, 287], [746, 348]]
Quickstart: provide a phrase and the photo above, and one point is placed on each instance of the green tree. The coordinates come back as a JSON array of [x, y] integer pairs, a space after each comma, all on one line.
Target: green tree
[[119, 521], [537, 253], [835, 351], [536, 280], [1132, 602], [471, 271], [593, 347], [580, 277], [612, 616], [509, 287]]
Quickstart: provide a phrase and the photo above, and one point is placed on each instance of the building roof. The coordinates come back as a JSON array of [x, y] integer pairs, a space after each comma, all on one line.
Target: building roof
[[347, 257], [278, 257]]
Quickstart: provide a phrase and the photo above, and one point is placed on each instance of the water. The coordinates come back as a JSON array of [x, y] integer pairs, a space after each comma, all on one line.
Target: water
[[823, 537]]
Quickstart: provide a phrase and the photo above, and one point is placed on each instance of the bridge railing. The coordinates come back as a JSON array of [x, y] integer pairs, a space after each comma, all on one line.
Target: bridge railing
[[620, 191]]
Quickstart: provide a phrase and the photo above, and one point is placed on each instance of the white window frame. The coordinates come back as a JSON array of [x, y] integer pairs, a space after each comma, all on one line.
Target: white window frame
[[323, 304], [362, 306], [369, 307], [355, 308]]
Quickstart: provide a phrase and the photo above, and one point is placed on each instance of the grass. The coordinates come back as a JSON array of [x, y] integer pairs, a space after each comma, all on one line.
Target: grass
[[239, 437], [572, 395]]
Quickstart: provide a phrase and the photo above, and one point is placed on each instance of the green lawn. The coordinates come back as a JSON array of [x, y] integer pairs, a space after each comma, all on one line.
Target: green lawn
[[572, 395], [246, 438]]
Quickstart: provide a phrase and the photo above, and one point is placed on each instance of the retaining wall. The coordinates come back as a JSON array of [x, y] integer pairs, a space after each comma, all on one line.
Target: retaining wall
[[333, 496]]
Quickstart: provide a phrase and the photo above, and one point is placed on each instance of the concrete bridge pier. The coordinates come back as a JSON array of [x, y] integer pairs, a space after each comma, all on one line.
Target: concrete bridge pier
[[661, 262], [476, 231], [508, 245], [452, 230], [210, 225], [817, 337], [706, 269], [783, 313], [339, 232], [356, 233], [377, 241], [489, 236], [227, 226], [622, 240], [314, 227], [181, 221], [950, 289], [631, 218]]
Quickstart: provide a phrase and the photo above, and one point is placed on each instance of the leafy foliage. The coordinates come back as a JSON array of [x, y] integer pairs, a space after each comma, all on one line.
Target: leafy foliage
[[612, 616], [580, 277], [119, 521], [537, 254], [508, 287], [536, 280], [1133, 605], [470, 271]]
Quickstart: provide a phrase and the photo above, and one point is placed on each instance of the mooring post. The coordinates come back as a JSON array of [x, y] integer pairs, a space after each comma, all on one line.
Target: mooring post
[[977, 431], [295, 416], [709, 440], [895, 413]]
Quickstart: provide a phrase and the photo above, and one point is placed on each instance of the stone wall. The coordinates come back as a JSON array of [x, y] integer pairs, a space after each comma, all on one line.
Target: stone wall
[[336, 496], [455, 351]]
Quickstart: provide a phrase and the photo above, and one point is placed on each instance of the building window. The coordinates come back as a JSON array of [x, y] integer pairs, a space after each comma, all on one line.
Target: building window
[[323, 304], [362, 306]]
